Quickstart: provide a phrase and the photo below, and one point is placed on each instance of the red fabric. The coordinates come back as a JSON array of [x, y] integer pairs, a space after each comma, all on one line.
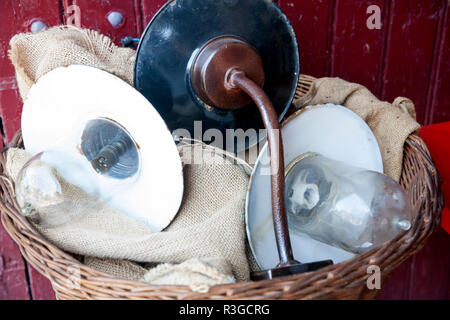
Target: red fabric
[[437, 138]]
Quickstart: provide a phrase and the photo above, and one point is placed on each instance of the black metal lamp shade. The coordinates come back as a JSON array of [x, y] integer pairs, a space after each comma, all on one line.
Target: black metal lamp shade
[[181, 28]]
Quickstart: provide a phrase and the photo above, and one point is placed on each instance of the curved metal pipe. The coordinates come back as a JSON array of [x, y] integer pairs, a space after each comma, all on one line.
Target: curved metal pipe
[[237, 78]]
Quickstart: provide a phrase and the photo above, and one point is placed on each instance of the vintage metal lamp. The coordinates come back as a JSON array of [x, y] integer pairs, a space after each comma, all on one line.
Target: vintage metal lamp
[[213, 61], [94, 151]]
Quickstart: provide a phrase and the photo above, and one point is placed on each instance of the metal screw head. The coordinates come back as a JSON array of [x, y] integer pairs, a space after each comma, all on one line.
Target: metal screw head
[[37, 26], [115, 18]]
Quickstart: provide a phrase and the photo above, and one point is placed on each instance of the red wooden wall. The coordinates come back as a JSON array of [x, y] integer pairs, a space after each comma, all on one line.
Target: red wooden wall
[[408, 56]]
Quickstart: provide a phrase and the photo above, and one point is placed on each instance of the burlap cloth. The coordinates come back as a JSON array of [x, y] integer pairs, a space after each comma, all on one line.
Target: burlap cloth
[[205, 245], [35, 54]]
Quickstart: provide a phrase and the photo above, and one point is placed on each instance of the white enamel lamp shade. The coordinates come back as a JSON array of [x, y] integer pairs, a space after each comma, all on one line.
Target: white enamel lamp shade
[[330, 130], [61, 104]]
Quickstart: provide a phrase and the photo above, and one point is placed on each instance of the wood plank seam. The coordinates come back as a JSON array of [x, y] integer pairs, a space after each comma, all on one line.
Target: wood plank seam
[[28, 278], [436, 63], [410, 278], [331, 25], [386, 29], [386, 49], [2, 131], [62, 15], [138, 12]]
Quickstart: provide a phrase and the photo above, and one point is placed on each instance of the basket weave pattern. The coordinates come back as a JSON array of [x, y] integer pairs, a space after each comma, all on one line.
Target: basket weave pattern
[[346, 280]]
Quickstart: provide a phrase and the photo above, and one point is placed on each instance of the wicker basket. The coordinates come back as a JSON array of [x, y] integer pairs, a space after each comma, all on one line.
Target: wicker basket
[[346, 280]]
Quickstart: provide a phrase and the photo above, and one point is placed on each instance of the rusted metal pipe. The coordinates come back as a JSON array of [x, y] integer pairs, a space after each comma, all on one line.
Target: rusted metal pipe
[[237, 79], [226, 74]]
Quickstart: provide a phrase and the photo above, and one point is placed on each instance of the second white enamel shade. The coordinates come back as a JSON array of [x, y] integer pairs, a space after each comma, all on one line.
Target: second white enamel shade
[[333, 131]]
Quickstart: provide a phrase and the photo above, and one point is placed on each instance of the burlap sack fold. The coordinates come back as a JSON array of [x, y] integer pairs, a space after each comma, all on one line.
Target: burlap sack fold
[[198, 274], [35, 54], [390, 123], [122, 269], [209, 226]]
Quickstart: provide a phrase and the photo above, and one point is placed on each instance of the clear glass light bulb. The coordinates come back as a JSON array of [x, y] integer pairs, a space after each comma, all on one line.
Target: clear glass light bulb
[[344, 206], [51, 195], [58, 185]]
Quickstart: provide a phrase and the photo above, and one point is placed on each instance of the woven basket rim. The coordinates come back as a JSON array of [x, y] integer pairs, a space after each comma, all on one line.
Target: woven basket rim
[[345, 279]]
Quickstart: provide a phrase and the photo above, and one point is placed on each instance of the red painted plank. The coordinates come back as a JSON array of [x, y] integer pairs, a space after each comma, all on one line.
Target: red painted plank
[[409, 56], [430, 276], [440, 105], [10, 107], [16, 17], [357, 51], [139, 20], [41, 287], [94, 15], [396, 286], [312, 23], [149, 8], [13, 281]]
